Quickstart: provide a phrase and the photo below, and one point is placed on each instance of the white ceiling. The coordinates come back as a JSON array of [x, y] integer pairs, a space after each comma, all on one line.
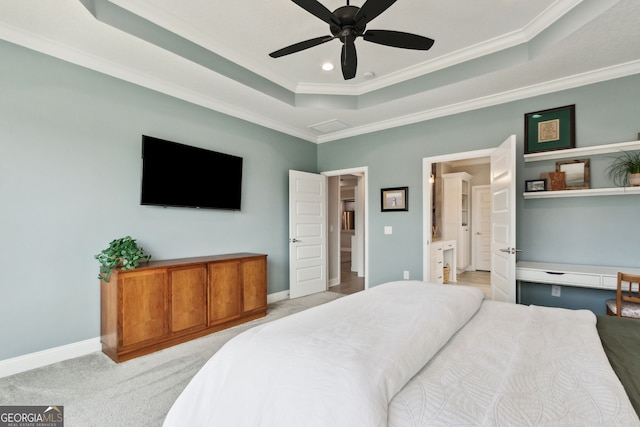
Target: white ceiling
[[486, 52]]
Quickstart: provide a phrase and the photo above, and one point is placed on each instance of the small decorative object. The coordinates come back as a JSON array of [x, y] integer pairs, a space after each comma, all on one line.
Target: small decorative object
[[550, 130], [123, 252], [576, 173], [545, 176], [394, 199], [446, 273], [625, 169], [556, 180], [535, 185]]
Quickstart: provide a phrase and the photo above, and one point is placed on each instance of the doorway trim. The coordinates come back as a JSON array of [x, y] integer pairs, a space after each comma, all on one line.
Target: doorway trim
[[427, 162], [364, 170]]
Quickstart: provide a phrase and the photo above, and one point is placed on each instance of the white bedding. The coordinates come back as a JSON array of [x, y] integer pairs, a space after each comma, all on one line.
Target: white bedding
[[338, 364], [515, 365], [342, 363]]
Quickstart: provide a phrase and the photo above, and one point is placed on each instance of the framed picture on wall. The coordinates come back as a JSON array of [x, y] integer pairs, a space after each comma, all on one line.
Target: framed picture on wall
[[550, 130], [394, 199]]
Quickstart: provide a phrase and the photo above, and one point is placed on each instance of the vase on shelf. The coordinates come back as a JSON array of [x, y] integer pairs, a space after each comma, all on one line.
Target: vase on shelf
[[556, 181]]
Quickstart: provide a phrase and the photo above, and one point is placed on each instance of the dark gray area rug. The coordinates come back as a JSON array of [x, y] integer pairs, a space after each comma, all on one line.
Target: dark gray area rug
[[95, 391]]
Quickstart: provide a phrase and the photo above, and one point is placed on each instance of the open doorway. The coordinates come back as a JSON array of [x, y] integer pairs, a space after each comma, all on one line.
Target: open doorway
[[347, 218], [502, 198], [460, 220], [461, 207]]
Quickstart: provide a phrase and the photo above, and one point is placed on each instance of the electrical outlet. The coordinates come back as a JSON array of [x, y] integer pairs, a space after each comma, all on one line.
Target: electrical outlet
[[406, 274], [556, 290], [388, 229]]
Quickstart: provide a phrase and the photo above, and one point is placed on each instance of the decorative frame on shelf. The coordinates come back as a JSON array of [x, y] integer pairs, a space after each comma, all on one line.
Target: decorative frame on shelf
[[576, 173], [549, 130], [532, 185], [394, 199]]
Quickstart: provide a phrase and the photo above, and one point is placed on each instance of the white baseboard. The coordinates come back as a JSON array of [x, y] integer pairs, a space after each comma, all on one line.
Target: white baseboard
[[42, 358], [278, 296], [47, 357]]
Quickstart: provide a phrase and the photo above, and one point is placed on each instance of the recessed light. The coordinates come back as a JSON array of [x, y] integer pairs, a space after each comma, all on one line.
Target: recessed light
[[369, 75], [327, 66]]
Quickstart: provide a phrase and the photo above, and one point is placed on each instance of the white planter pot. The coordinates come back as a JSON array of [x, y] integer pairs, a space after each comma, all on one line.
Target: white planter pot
[[634, 179]]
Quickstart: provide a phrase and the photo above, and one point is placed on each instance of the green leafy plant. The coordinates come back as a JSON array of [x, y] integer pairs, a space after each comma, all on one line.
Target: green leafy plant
[[124, 253], [627, 163]]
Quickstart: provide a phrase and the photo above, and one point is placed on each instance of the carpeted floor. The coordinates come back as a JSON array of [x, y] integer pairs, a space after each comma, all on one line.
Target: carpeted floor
[[95, 391]]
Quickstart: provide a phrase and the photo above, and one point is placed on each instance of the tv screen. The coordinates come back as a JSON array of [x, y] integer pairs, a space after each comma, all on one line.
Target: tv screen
[[181, 175]]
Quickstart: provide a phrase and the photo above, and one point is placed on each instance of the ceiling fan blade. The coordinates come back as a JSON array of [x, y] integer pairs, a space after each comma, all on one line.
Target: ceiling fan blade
[[398, 39], [349, 59], [316, 8], [300, 46], [370, 10]]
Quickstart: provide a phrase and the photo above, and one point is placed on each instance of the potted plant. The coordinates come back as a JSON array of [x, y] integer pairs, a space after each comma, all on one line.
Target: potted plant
[[124, 253], [625, 169]]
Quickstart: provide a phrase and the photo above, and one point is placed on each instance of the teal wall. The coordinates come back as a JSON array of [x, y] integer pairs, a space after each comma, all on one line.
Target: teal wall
[[70, 142], [70, 173], [589, 230]]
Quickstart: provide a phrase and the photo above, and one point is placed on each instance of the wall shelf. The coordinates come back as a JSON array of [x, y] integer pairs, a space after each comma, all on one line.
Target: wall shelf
[[579, 152], [615, 191], [582, 151]]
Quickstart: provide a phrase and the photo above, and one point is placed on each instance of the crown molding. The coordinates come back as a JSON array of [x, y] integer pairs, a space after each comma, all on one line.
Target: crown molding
[[155, 14], [82, 58], [583, 79], [160, 17], [487, 47], [92, 62]]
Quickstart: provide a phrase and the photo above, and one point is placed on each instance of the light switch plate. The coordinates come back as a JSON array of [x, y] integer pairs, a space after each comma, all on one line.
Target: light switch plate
[[388, 229]]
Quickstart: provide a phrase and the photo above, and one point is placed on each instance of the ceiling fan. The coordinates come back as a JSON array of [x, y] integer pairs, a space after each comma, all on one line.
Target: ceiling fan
[[347, 23]]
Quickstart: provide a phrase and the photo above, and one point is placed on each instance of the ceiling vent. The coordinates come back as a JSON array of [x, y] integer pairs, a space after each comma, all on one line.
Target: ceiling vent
[[329, 126]]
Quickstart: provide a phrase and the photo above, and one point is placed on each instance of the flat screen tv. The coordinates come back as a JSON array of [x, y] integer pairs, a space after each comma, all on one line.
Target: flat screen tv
[[181, 175]]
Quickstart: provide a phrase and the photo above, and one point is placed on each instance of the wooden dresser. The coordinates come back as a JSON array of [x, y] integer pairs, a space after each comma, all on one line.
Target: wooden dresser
[[164, 303]]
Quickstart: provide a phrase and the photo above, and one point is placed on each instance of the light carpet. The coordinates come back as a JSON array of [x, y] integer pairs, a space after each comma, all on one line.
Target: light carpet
[[95, 391]]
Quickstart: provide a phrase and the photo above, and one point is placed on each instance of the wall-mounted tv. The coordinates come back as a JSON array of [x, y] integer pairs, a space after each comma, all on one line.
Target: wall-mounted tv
[[180, 175]]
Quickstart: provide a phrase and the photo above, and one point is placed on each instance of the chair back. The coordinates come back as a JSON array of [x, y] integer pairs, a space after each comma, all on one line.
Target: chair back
[[628, 291]]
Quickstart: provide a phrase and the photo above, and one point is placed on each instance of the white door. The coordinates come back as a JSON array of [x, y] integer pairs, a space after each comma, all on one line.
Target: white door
[[307, 233], [503, 221], [481, 227]]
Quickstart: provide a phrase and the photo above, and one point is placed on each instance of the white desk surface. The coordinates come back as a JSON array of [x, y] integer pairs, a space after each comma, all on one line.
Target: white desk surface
[[574, 268]]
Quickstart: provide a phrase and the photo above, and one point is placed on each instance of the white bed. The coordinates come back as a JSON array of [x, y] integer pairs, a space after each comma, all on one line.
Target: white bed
[[411, 354]]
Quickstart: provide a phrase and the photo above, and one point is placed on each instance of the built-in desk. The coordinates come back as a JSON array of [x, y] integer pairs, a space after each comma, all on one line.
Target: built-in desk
[[587, 286]]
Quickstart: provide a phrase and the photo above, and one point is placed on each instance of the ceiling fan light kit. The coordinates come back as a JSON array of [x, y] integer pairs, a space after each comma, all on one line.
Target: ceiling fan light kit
[[346, 24]]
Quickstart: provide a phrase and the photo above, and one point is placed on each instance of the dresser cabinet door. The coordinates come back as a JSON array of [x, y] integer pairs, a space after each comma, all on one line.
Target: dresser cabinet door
[[254, 284], [144, 306], [188, 291], [225, 292]]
